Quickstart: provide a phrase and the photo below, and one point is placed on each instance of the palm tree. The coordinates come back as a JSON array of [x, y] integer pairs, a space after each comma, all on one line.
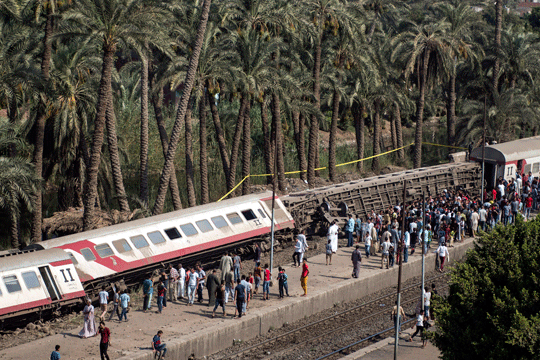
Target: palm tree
[[498, 32], [424, 48], [182, 108], [114, 24], [520, 58]]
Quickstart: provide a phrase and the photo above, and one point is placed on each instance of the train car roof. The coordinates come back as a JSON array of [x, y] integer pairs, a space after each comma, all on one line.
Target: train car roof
[[130, 225], [35, 258], [509, 151]]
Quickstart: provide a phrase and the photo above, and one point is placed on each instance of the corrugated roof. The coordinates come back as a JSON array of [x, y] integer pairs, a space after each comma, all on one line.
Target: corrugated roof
[[36, 258], [510, 151]]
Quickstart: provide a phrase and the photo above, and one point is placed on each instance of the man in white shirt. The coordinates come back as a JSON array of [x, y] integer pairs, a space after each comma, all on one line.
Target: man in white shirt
[[332, 235], [385, 252], [305, 246], [103, 301], [442, 252], [482, 220], [193, 283], [181, 281], [368, 245], [419, 325], [173, 283], [407, 243]]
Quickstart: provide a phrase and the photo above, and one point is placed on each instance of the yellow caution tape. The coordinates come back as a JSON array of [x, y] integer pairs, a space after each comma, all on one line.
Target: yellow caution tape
[[338, 165]]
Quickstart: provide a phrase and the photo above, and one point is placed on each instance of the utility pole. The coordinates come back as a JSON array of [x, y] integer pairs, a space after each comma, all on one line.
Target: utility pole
[[423, 248], [484, 149], [274, 175], [400, 249]]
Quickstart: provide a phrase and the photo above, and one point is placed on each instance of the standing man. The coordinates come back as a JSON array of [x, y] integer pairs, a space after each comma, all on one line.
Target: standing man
[[124, 304], [212, 283], [157, 345], [332, 235], [225, 265], [237, 265], [258, 253], [356, 258], [240, 294], [55, 355], [148, 291], [266, 282], [116, 302], [173, 283], [181, 281], [358, 229], [304, 277], [406, 244], [482, 218], [368, 245], [385, 253], [165, 280], [229, 286], [105, 340], [103, 301], [200, 284], [193, 283], [442, 252], [297, 251], [305, 246], [219, 294], [257, 273], [350, 230], [374, 246]]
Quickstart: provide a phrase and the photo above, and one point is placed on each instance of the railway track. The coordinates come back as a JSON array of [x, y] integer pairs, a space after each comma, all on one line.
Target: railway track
[[365, 318]]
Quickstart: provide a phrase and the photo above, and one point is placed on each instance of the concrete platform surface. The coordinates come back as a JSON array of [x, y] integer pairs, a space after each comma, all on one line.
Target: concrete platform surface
[[191, 330]]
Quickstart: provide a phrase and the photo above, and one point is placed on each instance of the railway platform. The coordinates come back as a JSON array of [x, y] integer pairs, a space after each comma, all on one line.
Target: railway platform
[[191, 330]]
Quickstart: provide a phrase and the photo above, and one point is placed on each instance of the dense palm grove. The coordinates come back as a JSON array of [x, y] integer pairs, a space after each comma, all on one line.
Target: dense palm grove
[[155, 105]]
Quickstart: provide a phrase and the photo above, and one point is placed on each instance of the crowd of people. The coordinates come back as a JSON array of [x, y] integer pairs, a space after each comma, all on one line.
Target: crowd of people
[[448, 218]]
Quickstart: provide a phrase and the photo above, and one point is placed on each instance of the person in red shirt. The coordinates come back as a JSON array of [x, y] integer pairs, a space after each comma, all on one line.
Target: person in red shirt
[[528, 206], [105, 340], [304, 277], [266, 283]]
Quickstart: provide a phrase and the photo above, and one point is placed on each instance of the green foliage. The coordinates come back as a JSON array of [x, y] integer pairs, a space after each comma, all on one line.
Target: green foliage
[[493, 310]]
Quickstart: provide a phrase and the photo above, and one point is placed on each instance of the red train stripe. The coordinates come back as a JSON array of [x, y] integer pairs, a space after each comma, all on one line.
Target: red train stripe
[[61, 263], [38, 303]]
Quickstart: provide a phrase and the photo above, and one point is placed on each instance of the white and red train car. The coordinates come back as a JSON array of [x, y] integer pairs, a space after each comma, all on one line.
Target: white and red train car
[[506, 159], [33, 282], [126, 251]]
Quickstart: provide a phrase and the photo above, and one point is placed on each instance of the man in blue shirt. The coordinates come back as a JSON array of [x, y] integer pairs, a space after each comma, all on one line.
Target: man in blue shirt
[[359, 234], [350, 230], [148, 291], [240, 296], [124, 303], [55, 355]]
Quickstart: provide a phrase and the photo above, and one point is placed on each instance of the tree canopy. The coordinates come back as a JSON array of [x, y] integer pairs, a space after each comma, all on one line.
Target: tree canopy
[[493, 309]]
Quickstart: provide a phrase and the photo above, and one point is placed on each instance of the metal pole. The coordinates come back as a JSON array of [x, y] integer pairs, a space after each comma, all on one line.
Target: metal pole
[[484, 149], [423, 249], [273, 206], [400, 249]]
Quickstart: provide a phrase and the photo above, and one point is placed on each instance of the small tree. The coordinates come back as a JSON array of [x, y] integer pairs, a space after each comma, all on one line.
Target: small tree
[[492, 311]]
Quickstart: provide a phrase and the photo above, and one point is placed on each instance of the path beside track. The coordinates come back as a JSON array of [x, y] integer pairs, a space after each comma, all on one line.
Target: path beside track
[[191, 330]]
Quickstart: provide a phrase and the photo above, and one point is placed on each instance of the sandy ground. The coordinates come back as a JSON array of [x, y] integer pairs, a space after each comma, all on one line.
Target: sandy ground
[[178, 319]]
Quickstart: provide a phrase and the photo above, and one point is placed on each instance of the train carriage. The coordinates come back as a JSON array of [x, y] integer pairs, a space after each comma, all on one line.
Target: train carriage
[[125, 251], [506, 159], [37, 281]]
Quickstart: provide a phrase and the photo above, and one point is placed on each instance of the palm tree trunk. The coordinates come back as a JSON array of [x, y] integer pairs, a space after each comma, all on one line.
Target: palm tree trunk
[[301, 146], [90, 186], [267, 142], [313, 151], [246, 148], [451, 110], [14, 215], [376, 135], [190, 176], [175, 134], [37, 158], [420, 112], [116, 167], [173, 182], [359, 124], [399, 131], [231, 180], [280, 162], [393, 131], [498, 30], [219, 135], [143, 175], [203, 153], [332, 140]]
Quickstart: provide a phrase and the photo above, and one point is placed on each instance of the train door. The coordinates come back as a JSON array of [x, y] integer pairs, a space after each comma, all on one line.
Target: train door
[[490, 176], [50, 284]]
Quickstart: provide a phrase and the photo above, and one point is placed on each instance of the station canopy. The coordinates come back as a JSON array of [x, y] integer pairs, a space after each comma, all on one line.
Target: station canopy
[[509, 151]]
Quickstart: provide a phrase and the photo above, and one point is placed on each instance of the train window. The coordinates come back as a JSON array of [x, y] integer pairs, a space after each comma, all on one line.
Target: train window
[[173, 233], [88, 254], [139, 241], [73, 260], [536, 167], [249, 215], [262, 214], [528, 168], [204, 225], [121, 245], [30, 279], [12, 284], [156, 237], [189, 229], [234, 218], [104, 250], [219, 222]]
